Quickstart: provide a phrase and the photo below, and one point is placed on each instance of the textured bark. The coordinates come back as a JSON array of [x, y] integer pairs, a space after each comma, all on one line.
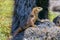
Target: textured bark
[[44, 31], [22, 10]]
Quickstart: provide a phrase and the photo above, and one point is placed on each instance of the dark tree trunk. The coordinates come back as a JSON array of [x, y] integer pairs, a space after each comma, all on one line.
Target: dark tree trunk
[[22, 10]]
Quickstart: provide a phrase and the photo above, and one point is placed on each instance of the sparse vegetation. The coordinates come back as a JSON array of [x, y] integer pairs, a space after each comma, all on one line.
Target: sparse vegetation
[[6, 10], [52, 15]]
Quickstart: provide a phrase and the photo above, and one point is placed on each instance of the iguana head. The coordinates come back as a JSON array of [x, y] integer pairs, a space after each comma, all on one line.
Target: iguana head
[[37, 9]]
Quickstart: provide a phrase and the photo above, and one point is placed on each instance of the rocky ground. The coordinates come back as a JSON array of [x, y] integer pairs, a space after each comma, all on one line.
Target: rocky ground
[[43, 31]]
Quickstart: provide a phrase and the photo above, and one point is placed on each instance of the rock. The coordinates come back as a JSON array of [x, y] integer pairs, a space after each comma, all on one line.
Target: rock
[[56, 20], [33, 33], [45, 31]]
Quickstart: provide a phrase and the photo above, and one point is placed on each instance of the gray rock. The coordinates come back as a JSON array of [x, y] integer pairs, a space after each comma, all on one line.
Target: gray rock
[[56, 20], [43, 32]]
